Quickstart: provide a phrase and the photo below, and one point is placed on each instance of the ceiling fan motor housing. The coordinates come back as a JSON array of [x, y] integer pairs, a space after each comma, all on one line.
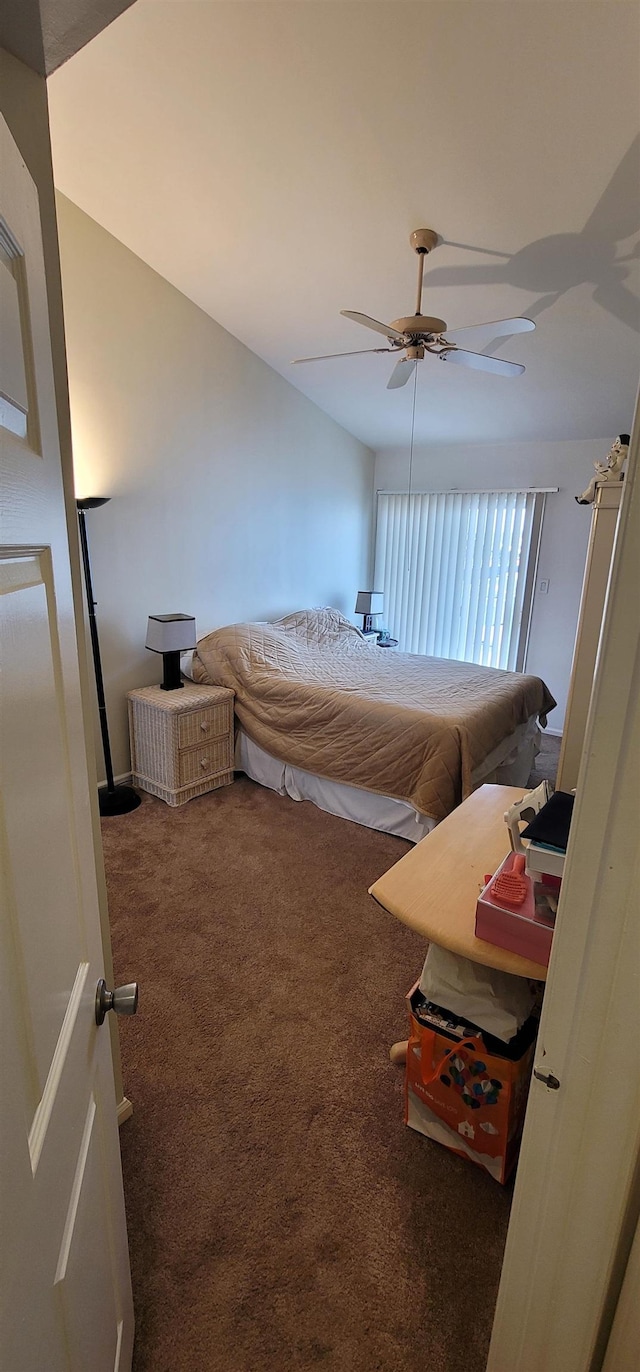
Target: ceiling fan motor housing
[[420, 326]]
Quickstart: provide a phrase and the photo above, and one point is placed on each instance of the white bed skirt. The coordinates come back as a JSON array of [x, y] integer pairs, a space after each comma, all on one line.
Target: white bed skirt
[[508, 765]]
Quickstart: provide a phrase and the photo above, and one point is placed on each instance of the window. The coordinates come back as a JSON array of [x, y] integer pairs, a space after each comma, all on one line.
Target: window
[[457, 571]]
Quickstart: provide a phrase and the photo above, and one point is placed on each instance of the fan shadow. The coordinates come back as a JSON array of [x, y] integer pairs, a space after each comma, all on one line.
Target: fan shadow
[[551, 266]]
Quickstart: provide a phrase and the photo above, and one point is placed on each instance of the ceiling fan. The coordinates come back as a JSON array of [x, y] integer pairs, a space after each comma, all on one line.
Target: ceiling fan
[[418, 333]]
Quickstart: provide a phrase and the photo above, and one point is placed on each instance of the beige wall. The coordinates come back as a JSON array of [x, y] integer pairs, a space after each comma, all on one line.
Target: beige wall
[[516, 466], [232, 496]]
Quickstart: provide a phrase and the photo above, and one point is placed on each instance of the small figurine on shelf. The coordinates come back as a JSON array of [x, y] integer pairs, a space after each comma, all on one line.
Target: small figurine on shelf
[[611, 470]]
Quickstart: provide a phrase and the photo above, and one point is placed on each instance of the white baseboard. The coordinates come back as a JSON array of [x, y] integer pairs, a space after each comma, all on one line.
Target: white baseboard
[[124, 780], [124, 1110], [555, 733]]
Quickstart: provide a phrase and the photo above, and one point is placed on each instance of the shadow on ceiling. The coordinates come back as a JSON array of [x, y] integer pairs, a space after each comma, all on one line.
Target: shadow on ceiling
[[552, 265]]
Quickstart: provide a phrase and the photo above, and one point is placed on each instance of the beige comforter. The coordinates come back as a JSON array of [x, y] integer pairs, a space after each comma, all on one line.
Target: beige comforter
[[313, 692]]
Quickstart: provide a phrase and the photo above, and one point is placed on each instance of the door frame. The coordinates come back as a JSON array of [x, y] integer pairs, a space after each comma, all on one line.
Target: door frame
[[577, 1194], [23, 104], [61, 1173]]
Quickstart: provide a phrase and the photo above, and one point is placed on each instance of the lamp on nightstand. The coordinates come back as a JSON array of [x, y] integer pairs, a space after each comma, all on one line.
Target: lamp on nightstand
[[369, 604], [171, 635]]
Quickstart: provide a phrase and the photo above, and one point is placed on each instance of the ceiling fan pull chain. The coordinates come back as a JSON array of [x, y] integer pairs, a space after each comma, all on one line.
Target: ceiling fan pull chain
[[413, 428]]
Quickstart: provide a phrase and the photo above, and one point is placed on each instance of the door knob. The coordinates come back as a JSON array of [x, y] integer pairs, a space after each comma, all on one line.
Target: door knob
[[123, 1001]]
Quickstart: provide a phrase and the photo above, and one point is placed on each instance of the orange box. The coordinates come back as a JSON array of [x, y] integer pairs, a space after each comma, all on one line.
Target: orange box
[[467, 1093]]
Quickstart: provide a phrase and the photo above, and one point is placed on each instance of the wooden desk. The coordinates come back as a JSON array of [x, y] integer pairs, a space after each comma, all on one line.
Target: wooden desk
[[434, 888]]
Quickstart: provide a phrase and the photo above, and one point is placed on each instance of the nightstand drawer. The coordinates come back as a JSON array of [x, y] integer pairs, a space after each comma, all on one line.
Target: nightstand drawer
[[199, 726], [198, 763]]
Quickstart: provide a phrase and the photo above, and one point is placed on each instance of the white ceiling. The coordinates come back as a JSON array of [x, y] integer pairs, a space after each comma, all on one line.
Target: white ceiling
[[271, 159]]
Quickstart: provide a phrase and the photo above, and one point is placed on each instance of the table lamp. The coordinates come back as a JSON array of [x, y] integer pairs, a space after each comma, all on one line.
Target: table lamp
[[370, 605], [171, 635]]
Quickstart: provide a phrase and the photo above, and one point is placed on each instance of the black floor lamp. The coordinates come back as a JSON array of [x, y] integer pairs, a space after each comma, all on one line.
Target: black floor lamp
[[116, 800]]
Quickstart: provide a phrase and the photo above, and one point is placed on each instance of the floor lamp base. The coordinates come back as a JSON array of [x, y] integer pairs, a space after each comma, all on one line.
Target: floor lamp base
[[119, 801]]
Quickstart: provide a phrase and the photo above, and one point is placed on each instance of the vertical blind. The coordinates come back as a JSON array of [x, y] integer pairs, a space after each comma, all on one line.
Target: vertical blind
[[455, 570]]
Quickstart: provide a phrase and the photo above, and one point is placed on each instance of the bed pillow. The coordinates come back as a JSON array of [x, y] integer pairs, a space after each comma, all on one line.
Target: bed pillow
[[322, 627], [186, 664]]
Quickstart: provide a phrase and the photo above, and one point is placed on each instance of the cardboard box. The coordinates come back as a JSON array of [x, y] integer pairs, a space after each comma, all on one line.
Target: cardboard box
[[527, 928], [466, 1089]]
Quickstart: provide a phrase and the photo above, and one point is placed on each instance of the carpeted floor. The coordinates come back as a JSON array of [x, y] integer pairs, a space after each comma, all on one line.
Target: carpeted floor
[[280, 1214], [546, 763]]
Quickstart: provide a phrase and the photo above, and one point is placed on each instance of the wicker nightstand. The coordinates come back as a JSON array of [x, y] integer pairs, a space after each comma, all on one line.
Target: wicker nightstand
[[181, 741]]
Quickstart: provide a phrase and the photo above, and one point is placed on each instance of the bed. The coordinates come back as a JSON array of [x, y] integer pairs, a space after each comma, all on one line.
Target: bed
[[391, 740]]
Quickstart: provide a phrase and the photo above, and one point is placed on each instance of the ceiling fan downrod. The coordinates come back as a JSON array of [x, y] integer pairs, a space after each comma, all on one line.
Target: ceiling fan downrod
[[421, 328], [420, 276], [423, 241]]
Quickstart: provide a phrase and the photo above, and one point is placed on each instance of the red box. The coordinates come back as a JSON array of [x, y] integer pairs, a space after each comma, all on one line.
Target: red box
[[526, 929], [469, 1093]]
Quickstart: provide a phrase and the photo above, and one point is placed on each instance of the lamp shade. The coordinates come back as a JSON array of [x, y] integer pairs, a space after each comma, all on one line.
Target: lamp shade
[[171, 633], [92, 502], [369, 603]]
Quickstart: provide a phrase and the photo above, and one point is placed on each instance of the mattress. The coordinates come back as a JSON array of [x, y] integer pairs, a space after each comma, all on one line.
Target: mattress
[[315, 696]]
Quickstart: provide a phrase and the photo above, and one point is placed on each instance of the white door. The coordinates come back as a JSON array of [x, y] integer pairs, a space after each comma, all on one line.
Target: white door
[[576, 1197], [66, 1291]]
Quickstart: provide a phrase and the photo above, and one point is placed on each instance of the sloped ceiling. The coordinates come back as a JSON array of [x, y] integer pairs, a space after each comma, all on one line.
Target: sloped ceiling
[[45, 33], [271, 159]]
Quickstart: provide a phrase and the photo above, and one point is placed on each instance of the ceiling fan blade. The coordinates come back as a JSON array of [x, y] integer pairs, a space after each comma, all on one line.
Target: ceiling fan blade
[[401, 373], [324, 357], [500, 328], [369, 323], [481, 363]]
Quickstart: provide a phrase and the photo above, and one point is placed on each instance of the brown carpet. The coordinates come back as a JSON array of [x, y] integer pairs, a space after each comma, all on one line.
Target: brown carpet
[[546, 763], [280, 1213]]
